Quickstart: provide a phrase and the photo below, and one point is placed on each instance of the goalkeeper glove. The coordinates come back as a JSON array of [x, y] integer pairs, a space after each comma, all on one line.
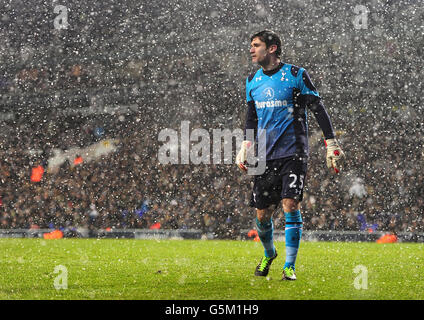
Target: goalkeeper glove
[[241, 159], [335, 154]]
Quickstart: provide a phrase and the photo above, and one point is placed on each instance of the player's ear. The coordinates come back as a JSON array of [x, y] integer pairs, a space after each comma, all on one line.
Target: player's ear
[[272, 48]]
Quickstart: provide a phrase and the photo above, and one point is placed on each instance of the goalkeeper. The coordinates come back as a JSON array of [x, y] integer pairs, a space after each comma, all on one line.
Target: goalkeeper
[[278, 95]]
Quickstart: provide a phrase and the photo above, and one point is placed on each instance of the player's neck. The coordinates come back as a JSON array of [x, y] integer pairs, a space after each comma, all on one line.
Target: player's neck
[[271, 65]]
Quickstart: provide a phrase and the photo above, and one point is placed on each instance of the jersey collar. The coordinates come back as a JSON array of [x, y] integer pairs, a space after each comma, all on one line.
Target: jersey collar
[[273, 71]]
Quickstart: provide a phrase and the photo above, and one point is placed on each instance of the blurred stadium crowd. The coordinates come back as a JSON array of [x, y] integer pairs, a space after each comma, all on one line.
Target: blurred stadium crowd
[[126, 71]]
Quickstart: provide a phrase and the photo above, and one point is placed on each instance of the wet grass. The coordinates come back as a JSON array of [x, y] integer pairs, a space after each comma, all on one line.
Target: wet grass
[[202, 270]]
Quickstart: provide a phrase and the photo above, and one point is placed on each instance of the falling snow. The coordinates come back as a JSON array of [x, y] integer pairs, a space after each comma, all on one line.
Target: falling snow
[[102, 71]]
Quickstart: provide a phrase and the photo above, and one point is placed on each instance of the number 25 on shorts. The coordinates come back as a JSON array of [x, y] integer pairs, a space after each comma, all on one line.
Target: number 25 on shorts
[[297, 182]]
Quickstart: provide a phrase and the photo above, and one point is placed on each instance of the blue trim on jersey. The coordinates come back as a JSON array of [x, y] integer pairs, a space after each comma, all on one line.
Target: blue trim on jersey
[[277, 111]]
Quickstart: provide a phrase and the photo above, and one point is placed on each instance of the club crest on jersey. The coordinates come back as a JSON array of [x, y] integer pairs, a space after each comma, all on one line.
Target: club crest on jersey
[[259, 78], [268, 93], [283, 76]]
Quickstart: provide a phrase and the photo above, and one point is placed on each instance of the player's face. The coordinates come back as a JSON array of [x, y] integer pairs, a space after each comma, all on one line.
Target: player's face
[[259, 52]]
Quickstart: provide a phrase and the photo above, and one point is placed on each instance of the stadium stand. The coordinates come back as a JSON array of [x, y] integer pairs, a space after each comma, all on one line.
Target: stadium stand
[[126, 71]]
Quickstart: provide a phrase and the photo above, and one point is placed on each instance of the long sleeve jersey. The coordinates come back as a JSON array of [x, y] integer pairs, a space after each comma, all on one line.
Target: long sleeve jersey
[[277, 108]]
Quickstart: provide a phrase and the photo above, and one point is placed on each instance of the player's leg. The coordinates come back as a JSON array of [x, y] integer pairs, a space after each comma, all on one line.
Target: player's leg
[[293, 181], [265, 228], [265, 197], [293, 234]]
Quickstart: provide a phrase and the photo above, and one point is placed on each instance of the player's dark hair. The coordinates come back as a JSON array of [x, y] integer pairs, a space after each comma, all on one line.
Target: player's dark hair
[[270, 38]]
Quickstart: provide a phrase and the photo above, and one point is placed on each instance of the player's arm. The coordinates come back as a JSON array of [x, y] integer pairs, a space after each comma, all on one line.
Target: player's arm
[[250, 124], [251, 121], [334, 152], [311, 98]]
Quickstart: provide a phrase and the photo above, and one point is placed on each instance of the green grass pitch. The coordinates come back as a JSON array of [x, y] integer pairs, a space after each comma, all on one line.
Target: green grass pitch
[[205, 270]]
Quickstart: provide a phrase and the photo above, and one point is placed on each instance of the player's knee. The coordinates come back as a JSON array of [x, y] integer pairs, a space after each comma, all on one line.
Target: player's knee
[[263, 215], [290, 205]]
